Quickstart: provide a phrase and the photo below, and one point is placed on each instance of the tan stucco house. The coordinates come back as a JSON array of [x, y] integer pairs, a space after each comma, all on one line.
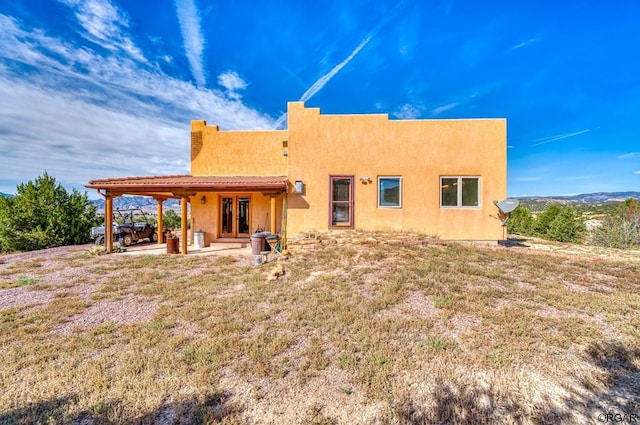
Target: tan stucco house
[[325, 172]]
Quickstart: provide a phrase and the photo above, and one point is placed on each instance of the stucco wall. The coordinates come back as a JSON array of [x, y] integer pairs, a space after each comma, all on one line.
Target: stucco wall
[[418, 150], [206, 216], [236, 153]]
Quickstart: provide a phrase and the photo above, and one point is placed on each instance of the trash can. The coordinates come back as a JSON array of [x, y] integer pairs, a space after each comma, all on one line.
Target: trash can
[[198, 239], [258, 242], [173, 246], [272, 241]]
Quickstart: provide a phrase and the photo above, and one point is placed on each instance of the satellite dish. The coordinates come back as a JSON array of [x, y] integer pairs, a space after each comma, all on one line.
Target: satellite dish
[[507, 205], [505, 208]]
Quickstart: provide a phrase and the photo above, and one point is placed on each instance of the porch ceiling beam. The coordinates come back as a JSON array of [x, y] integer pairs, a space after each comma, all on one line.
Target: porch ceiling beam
[[183, 194]]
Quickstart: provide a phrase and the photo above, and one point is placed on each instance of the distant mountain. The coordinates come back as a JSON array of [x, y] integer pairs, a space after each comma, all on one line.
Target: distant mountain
[[6, 195], [143, 202], [584, 200], [588, 198]]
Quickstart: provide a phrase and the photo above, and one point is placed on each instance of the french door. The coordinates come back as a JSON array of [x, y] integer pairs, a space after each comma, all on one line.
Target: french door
[[235, 217], [341, 201]]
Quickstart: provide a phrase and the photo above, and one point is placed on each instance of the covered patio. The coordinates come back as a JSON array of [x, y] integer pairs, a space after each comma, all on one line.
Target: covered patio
[[185, 187]]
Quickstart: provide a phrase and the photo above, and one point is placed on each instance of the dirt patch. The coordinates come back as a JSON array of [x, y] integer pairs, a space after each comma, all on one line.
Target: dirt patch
[[129, 310]]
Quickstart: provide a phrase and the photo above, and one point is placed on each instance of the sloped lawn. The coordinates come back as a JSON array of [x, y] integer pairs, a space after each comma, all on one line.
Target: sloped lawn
[[428, 332]]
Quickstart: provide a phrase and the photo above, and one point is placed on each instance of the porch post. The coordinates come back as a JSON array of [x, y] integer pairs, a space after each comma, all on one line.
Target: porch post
[[183, 227], [273, 215], [160, 223], [108, 223], [284, 221]]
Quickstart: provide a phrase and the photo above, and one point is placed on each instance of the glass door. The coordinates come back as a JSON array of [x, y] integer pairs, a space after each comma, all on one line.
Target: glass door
[[341, 201], [235, 217], [243, 224]]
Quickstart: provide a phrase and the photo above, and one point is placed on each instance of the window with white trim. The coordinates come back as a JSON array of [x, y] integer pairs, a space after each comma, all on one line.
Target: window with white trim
[[459, 192], [389, 192]]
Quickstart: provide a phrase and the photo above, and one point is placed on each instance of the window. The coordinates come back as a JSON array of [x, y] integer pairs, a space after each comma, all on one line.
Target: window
[[341, 201], [389, 192], [460, 192]]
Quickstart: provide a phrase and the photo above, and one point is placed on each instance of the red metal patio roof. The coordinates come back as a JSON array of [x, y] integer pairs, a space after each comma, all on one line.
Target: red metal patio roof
[[183, 183]]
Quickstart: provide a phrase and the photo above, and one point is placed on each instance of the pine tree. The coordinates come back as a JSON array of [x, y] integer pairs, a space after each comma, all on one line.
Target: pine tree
[[43, 215]]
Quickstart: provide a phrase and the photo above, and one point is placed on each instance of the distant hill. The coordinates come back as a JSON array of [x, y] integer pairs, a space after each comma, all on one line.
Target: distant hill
[[536, 203], [6, 195], [590, 198], [143, 202]]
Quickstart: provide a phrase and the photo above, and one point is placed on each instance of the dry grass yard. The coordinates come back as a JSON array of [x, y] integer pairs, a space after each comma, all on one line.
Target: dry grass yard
[[365, 333]]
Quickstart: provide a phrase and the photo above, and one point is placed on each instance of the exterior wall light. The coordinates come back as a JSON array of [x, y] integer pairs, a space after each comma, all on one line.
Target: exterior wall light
[[298, 187], [365, 180], [203, 200]]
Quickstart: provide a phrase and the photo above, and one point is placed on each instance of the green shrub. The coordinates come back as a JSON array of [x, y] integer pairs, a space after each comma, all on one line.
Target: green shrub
[[520, 221], [543, 221], [43, 215], [566, 226], [171, 220], [556, 223], [620, 229]]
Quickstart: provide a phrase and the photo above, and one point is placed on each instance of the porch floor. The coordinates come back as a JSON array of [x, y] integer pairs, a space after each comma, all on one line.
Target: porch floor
[[234, 247]]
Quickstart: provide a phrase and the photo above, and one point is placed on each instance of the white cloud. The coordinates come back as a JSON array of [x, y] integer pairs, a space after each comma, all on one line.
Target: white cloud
[[629, 155], [545, 140], [105, 24], [636, 172], [408, 112], [231, 81], [324, 79], [83, 140], [473, 94], [86, 116], [525, 43], [444, 108], [189, 20]]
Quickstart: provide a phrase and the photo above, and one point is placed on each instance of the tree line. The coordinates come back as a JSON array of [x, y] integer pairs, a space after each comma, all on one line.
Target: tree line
[[618, 228]]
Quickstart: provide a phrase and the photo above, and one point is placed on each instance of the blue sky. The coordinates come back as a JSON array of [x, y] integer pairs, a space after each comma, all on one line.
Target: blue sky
[[106, 88]]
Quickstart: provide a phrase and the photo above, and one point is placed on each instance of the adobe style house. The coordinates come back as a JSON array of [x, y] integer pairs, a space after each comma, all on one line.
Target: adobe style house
[[325, 172]]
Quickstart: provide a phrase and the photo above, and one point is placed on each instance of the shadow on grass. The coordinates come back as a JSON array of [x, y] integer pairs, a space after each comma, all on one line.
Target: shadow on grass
[[212, 410], [477, 405], [481, 404], [514, 243], [622, 376]]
